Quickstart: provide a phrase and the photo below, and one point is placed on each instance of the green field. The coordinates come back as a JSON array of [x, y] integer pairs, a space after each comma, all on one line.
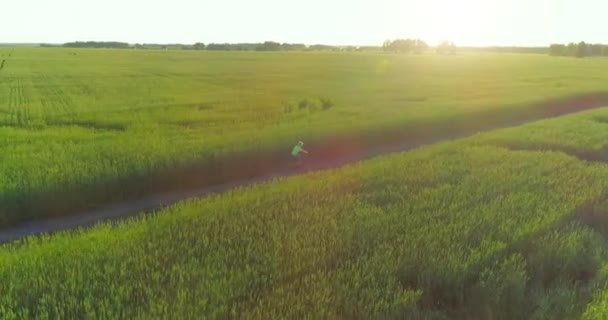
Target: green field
[[509, 224], [472, 229], [71, 117]]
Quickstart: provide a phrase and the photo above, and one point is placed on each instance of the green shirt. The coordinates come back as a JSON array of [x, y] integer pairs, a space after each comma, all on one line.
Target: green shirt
[[296, 150]]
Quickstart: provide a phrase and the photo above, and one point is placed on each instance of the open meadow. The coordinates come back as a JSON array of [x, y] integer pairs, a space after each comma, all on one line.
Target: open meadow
[[72, 119]]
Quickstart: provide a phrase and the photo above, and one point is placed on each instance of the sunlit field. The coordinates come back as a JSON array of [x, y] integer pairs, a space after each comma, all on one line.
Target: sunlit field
[[82, 117], [510, 224]]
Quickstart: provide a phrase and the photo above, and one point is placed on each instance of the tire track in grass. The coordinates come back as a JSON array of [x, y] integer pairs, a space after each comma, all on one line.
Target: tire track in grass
[[131, 195], [4, 80], [12, 105], [18, 102], [25, 103], [22, 114], [53, 96], [2, 64], [18, 109]]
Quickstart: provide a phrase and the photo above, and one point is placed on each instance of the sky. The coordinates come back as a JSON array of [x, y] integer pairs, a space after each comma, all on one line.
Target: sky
[[337, 22]]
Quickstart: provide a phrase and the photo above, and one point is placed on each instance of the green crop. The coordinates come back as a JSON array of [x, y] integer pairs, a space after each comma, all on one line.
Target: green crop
[[71, 118], [581, 133], [459, 230]]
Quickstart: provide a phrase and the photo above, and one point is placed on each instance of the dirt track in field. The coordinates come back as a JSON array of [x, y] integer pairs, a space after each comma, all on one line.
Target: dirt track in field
[[72, 208]]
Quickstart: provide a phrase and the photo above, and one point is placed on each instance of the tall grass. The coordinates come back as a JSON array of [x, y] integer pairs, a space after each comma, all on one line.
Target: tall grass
[[75, 118], [459, 230]]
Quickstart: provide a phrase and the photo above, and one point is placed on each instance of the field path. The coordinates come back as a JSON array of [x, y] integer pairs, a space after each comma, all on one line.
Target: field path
[[129, 197]]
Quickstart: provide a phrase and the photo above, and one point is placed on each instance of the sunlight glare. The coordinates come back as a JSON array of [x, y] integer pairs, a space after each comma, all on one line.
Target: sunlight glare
[[466, 22]]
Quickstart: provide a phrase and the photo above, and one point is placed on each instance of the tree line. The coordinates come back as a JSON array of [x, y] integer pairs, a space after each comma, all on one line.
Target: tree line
[[269, 46], [506, 49], [264, 46], [416, 46], [580, 49], [95, 44], [405, 46]]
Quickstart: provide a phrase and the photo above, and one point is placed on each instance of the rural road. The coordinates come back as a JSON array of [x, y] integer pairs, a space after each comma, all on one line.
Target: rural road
[[123, 199]]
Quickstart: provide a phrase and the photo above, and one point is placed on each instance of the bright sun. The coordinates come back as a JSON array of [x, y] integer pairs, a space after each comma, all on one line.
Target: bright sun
[[466, 22]]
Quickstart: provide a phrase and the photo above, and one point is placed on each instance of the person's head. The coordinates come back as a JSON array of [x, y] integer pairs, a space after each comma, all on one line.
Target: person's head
[[301, 143]]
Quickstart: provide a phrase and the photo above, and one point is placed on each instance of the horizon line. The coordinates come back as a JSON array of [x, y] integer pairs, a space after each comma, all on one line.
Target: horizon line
[[260, 42]]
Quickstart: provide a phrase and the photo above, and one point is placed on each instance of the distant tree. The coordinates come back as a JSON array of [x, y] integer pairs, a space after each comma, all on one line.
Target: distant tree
[[293, 47], [594, 50], [507, 49], [269, 46], [581, 49], [446, 47], [198, 46], [217, 46], [557, 50], [571, 49], [419, 46], [96, 44], [322, 47], [386, 46], [405, 46], [402, 45]]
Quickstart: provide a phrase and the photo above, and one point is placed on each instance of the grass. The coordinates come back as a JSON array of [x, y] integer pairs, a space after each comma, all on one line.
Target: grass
[[458, 230], [74, 118], [581, 133]]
